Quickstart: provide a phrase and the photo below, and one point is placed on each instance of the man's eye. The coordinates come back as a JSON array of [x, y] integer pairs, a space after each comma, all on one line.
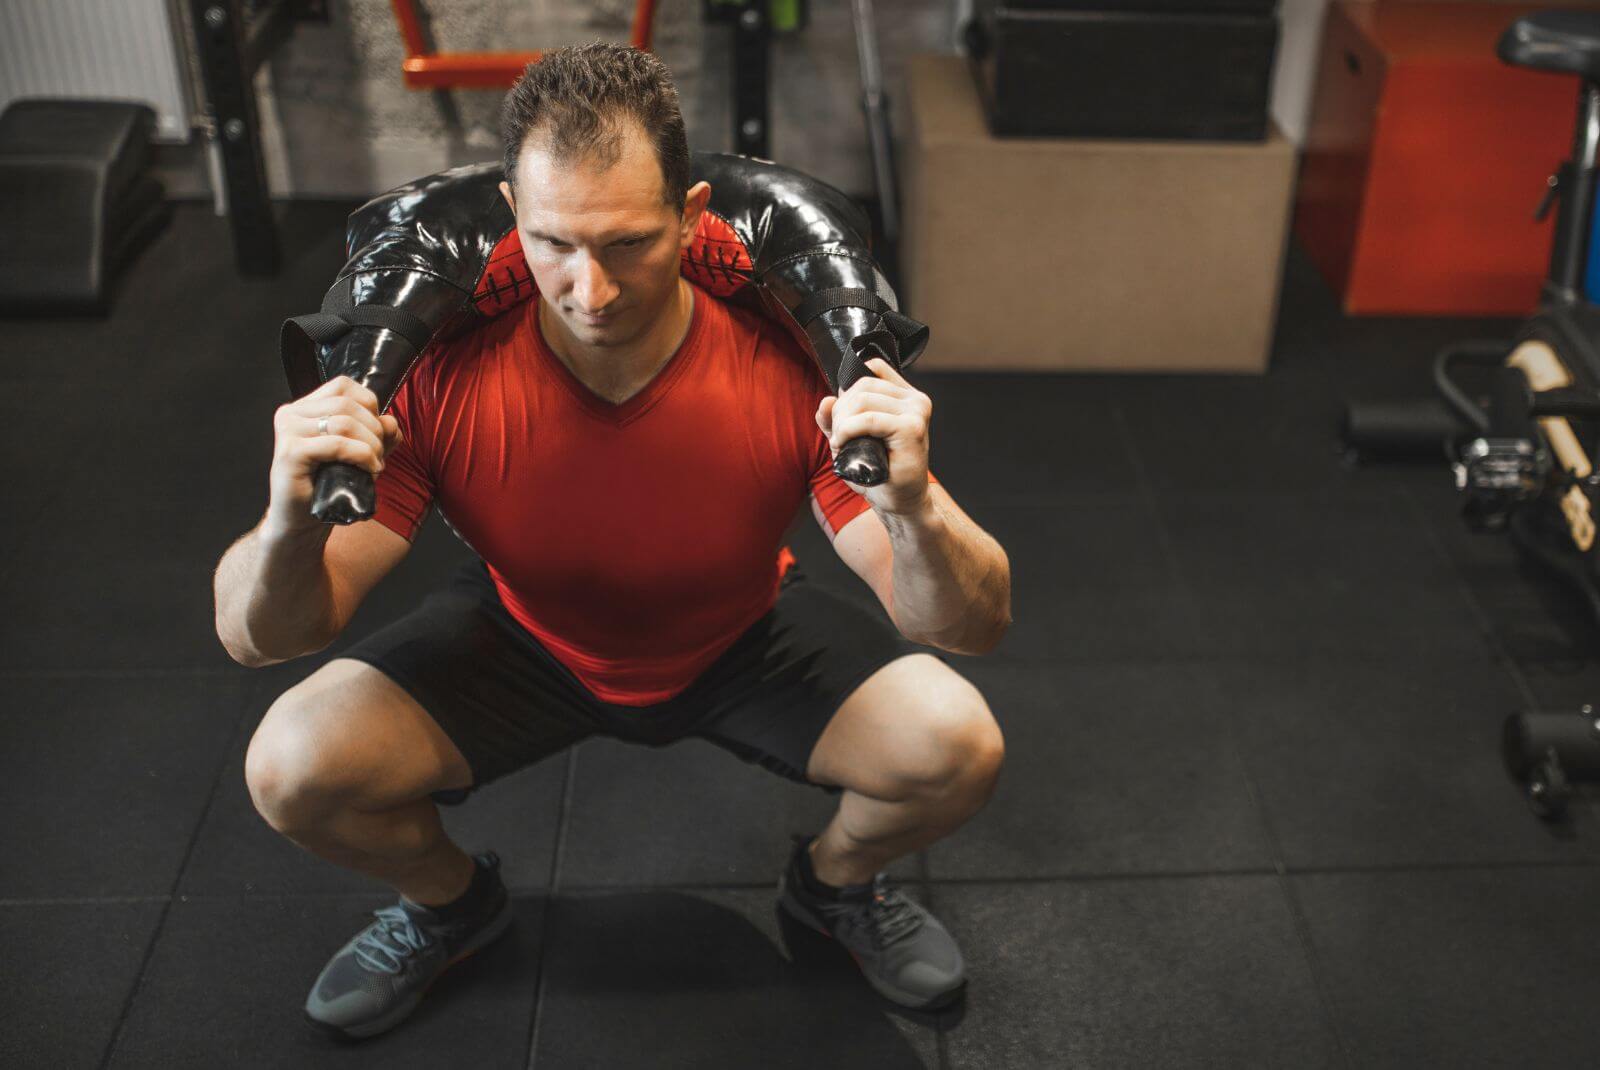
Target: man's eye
[[555, 244], [629, 243]]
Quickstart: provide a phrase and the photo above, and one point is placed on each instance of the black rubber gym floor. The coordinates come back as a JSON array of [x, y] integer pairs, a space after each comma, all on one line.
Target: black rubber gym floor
[[1252, 813]]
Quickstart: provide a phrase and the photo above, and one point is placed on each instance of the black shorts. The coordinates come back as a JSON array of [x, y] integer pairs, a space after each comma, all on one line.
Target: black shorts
[[506, 702]]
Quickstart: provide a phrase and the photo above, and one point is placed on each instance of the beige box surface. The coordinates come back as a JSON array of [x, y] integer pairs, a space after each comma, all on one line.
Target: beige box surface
[[1068, 254]]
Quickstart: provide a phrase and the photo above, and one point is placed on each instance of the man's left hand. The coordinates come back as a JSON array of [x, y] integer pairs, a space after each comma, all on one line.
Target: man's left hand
[[883, 405]]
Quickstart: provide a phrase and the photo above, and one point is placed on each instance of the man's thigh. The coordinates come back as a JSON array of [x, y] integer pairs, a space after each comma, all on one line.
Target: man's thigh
[[774, 693], [351, 732], [500, 698]]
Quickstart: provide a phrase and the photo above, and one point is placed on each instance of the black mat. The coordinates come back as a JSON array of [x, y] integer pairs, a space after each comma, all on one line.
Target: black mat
[[1252, 812]]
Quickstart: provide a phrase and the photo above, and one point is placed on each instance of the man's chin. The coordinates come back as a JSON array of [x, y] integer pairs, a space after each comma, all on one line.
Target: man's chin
[[603, 339], [603, 332]]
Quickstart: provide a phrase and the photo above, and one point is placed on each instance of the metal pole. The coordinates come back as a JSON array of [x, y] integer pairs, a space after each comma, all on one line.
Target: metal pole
[[752, 41], [875, 106], [220, 36]]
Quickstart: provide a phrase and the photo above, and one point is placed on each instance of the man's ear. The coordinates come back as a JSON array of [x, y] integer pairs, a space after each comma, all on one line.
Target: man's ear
[[694, 205], [505, 191]]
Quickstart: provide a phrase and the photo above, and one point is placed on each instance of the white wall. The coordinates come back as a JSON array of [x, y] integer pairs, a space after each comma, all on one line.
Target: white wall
[[126, 50]]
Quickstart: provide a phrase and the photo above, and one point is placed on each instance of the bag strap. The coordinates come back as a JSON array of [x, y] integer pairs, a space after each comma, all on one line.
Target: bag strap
[[910, 336], [301, 337]]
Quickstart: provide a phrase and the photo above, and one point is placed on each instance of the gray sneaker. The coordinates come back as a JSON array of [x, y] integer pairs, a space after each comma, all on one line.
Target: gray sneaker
[[902, 950], [380, 976]]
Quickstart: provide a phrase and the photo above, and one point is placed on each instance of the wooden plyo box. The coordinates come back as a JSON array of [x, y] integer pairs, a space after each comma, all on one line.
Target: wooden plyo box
[[1043, 254]]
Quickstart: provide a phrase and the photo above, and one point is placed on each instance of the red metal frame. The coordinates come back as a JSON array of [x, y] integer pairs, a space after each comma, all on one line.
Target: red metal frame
[[424, 68]]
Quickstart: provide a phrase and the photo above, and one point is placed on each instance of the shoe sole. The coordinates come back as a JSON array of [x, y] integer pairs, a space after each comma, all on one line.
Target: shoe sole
[[490, 933], [786, 908]]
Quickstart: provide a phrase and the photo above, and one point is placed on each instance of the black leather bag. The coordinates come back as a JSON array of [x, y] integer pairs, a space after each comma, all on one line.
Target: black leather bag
[[438, 256]]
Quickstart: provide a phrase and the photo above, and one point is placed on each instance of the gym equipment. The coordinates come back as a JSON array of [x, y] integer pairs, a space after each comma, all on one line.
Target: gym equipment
[[424, 68], [752, 24], [1547, 752], [1191, 69], [233, 38], [75, 202], [1524, 455], [875, 106], [436, 257], [1388, 208]]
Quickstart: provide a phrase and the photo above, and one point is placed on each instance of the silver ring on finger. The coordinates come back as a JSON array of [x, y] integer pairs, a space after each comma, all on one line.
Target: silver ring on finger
[[322, 426]]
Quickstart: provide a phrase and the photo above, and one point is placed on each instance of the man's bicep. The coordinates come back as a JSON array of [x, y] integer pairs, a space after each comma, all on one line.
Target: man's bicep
[[357, 557]]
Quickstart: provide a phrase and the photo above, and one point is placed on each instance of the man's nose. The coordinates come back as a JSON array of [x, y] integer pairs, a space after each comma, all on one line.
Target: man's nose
[[593, 289]]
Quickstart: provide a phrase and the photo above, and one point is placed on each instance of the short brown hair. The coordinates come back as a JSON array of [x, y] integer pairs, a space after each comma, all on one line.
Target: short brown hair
[[581, 98]]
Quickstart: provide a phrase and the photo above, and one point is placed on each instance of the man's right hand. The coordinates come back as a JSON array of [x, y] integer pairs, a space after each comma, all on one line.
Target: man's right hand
[[355, 434]]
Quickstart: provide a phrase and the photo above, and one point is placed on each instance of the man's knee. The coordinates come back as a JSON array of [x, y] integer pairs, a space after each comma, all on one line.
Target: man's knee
[[960, 749], [293, 768]]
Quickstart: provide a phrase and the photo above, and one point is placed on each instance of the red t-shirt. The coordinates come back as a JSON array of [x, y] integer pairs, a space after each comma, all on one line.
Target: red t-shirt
[[635, 541]]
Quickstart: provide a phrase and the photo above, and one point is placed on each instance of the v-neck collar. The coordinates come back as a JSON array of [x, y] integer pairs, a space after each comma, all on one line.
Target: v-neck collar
[[652, 392]]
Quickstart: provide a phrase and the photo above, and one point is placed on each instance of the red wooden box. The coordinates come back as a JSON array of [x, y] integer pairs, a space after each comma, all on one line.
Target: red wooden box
[[1425, 158]]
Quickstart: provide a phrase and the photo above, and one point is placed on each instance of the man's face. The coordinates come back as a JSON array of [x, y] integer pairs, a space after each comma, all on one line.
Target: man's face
[[601, 242]]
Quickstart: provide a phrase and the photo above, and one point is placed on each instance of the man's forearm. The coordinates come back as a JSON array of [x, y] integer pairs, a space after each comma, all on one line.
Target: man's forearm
[[952, 580], [274, 600]]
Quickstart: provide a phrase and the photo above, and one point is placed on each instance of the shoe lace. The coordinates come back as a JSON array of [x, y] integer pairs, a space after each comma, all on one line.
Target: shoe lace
[[385, 947], [891, 915]]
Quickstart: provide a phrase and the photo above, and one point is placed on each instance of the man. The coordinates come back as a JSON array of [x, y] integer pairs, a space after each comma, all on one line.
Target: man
[[624, 455]]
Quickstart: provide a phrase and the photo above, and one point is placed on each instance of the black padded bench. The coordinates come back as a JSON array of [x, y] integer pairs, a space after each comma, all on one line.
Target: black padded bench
[[76, 203]]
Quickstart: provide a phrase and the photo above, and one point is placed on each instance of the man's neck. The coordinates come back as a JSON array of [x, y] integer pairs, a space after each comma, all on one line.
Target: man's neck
[[625, 368]]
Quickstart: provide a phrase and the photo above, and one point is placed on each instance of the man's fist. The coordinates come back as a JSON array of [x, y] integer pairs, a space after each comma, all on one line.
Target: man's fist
[[338, 421]]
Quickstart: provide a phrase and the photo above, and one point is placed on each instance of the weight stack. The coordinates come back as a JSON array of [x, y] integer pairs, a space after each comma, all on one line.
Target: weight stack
[[76, 201], [1161, 69]]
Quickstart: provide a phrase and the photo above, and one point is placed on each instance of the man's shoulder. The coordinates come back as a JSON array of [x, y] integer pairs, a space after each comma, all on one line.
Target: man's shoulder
[[478, 334], [757, 330], [474, 339], [449, 359]]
